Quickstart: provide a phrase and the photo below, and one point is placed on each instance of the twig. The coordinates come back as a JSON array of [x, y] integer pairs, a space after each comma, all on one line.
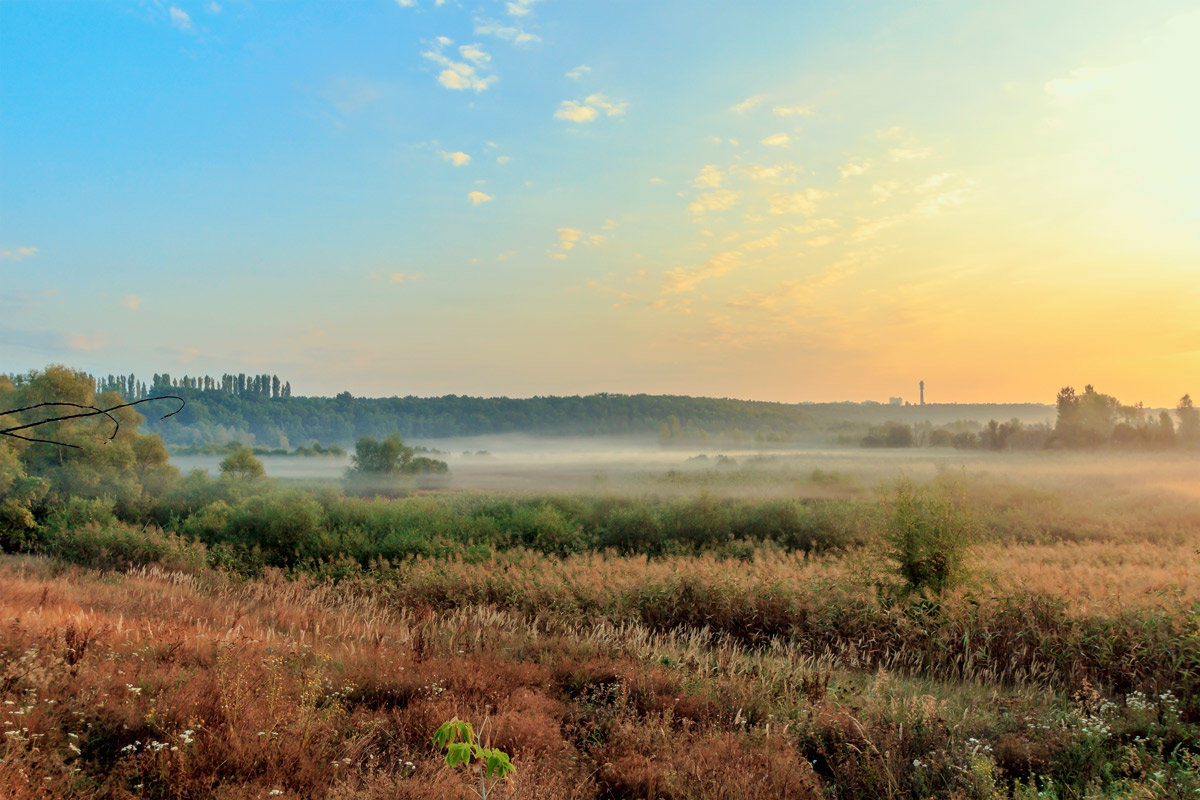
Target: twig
[[89, 411]]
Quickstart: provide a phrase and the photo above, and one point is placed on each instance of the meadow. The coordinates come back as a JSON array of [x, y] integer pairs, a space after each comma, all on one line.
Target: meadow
[[737, 628]]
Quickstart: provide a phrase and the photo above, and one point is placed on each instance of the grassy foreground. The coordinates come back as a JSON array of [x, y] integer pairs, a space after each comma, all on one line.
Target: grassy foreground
[[1064, 668]]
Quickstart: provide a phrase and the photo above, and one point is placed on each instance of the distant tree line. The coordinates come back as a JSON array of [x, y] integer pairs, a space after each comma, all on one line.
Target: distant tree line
[[260, 410], [240, 385], [1092, 419], [1083, 420]]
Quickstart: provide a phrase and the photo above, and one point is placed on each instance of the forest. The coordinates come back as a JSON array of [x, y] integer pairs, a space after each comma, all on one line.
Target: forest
[[261, 410]]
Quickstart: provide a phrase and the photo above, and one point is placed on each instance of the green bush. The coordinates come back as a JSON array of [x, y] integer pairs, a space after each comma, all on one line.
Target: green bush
[[76, 512], [288, 527], [928, 533], [118, 546], [210, 523], [636, 528]]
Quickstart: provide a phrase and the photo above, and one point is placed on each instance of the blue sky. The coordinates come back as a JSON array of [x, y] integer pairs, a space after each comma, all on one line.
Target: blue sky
[[788, 201]]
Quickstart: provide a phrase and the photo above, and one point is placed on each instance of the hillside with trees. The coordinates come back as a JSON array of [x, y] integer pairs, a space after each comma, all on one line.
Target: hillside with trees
[[261, 409]]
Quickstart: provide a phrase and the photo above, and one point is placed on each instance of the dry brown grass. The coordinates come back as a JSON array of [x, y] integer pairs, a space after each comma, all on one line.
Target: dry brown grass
[[165, 685], [780, 676]]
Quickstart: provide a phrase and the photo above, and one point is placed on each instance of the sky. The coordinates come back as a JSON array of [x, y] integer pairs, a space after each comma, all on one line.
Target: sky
[[801, 201]]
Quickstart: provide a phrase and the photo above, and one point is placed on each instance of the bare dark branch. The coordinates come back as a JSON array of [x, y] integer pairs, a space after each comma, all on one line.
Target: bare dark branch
[[88, 411]]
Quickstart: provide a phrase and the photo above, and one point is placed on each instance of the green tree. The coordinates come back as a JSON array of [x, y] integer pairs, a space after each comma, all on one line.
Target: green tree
[[1189, 421], [377, 465], [97, 456], [19, 495], [890, 434], [1165, 435], [380, 457], [995, 435], [242, 465], [1084, 420]]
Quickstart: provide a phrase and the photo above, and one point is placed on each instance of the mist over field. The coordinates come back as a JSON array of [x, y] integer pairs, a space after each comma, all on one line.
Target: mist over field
[[633, 465]]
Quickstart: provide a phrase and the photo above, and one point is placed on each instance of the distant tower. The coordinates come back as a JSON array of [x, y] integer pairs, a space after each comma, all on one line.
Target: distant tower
[[922, 392]]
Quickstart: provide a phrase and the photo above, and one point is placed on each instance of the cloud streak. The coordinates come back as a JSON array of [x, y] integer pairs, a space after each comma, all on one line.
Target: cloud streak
[[509, 33], [461, 75], [590, 108], [748, 104], [720, 200], [19, 254], [682, 279], [180, 19], [457, 158]]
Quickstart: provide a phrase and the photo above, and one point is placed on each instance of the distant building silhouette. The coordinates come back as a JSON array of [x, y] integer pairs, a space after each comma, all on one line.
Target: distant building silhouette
[[922, 392]]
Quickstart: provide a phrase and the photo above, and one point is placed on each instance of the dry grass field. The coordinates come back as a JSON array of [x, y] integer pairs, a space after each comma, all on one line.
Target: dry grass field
[[1066, 663]]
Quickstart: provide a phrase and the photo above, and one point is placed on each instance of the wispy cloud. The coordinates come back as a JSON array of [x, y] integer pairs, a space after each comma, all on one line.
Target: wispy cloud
[[460, 75], [852, 168], [870, 228], [795, 202], [1079, 81], [457, 158], [906, 147], [475, 54], [708, 178], [503, 159], [942, 191], [478, 198], [720, 200], [768, 242], [349, 95], [569, 238], [910, 153], [793, 111], [519, 8], [747, 104], [575, 112], [777, 140], [18, 254], [82, 341], [683, 279], [508, 33], [882, 192], [579, 72], [404, 277], [934, 181], [185, 354], [133, 302], [180, 19], [589, 108], [774, 173], [789, 294]]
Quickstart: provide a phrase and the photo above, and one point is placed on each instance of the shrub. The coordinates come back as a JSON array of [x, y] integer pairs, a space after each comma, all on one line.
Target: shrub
[[287, 526], [242, 465], [76, 512], [928, 533], [631, 529], [118, 546]]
